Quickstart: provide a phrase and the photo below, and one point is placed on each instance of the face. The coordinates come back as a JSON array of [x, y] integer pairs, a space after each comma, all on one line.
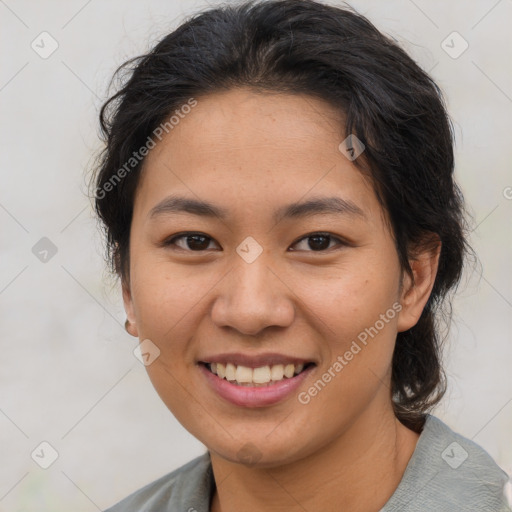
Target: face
[[254, 282]]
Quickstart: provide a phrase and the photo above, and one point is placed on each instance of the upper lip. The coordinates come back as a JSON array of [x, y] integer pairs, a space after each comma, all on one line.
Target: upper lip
[[254, 361]]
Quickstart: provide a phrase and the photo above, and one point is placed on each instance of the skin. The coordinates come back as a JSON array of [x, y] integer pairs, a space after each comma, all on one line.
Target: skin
[[252, 153]]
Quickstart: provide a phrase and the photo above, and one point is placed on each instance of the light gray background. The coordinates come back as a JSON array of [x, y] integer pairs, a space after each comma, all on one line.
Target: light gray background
[[68, 374]]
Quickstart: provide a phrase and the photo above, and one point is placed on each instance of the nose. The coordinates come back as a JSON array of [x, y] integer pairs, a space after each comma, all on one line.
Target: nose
[[253, 297]]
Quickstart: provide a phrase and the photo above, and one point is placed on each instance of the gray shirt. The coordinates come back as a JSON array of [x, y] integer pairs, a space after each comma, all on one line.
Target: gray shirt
[[446, 473]]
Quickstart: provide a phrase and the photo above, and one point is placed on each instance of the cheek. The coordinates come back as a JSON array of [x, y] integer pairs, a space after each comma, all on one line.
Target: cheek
[[166, 297], [167, 304], [349, 299], [358, 366], [359, 313]]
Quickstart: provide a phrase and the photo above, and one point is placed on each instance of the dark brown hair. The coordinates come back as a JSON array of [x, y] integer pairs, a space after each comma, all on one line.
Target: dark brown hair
[[388, 101]]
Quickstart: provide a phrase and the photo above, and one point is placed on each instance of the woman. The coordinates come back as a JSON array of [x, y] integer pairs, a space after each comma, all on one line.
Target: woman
[[278, 196]]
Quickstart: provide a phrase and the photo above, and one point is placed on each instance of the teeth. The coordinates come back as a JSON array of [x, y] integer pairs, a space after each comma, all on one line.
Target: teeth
[[288, 370], [230, 372], [243, 374], [264, 375], [277, 372], [261, 375]]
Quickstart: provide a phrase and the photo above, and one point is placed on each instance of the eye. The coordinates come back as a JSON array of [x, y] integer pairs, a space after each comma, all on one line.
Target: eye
[[195, 242], [198, 242], [319, 242]]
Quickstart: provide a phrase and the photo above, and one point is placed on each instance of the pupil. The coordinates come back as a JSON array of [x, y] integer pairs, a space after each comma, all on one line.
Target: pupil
[[197, 246], [316, 245]]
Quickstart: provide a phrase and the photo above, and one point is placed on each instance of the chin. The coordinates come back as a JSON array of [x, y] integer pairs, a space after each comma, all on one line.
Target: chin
[[259, 452]]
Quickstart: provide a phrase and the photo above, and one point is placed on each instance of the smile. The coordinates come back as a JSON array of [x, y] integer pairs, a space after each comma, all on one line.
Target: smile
[[259, 385], [256, 377]]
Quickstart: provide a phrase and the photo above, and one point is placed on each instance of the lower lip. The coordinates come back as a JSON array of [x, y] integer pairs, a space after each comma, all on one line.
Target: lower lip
[[249, 396]]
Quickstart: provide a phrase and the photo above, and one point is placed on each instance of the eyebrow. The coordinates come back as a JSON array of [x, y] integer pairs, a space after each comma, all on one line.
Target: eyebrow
[[315, 206]]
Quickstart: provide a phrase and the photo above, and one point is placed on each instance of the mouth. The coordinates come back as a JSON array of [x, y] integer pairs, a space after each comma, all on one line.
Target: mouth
[[255, 380], [261, 376], [256, 385]]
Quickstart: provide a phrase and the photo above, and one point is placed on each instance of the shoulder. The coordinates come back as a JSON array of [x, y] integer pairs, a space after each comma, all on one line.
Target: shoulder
[[186, 488], [448, 471]]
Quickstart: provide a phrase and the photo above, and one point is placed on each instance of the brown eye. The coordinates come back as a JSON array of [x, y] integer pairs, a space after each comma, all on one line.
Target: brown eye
[[198, 242], [194, 242], [318, 242]]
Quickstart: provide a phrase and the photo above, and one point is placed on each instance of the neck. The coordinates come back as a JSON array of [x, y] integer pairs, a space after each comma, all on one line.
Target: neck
[[357, 471]]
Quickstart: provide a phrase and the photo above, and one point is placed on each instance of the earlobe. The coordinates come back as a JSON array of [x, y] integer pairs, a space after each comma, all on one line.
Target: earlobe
[[130, 324], [417, 290]]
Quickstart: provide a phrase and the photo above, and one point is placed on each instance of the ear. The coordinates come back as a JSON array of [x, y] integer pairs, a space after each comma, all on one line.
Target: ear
[[131, 327], [416, 291]]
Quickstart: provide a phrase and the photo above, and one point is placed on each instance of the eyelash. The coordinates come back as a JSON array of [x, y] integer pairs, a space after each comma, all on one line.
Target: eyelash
[[171, 241]]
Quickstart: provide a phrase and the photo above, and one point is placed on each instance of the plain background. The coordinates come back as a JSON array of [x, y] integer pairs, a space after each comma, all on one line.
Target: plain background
[[68, 373]]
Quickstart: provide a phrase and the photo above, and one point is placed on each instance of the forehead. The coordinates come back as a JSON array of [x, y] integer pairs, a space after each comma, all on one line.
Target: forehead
[[304, 113], [242, 146], [242, 119]]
